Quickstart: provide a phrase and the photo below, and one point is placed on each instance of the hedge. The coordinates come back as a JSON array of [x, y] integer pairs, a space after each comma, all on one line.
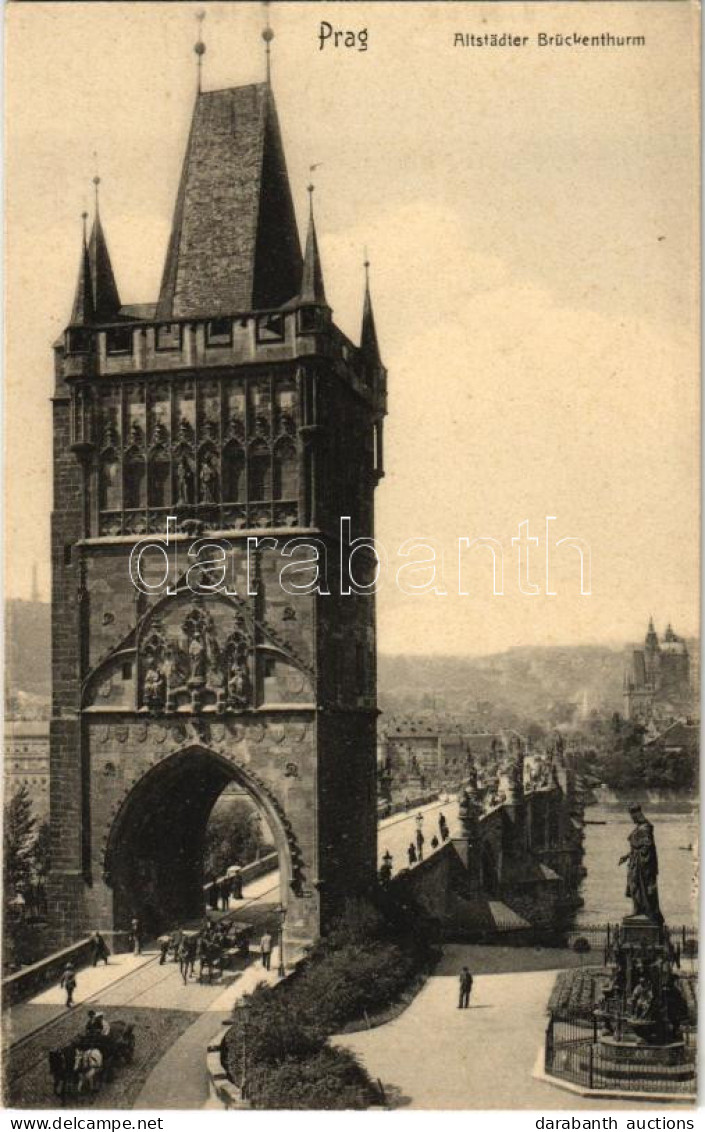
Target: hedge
[[362, 967]]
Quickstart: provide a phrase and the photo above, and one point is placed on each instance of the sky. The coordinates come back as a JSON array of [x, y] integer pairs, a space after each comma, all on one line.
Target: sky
[[531, 220]]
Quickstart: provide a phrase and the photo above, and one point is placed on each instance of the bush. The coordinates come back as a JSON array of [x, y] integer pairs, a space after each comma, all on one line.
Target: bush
[[581, 945], [329, 1079], [363, 966]]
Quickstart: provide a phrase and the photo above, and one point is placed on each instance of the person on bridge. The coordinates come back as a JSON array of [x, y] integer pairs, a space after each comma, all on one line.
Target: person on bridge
[[434, 842], [68, 982], [443, 827], [99, 948], [135, 936], [465, 988], [225, 894], [412, 854], [420, 839], [188, 949], [236, 884], [266, 951], [102, 1026]]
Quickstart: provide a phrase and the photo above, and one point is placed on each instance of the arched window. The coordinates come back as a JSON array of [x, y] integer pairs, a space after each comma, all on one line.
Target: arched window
[[260, 473], [159, 480], [233, 473], [109, 493], [286, 478], [135, 483]]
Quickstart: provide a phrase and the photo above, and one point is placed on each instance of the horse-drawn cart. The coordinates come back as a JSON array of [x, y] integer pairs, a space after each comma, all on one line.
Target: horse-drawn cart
[[89, 1059]]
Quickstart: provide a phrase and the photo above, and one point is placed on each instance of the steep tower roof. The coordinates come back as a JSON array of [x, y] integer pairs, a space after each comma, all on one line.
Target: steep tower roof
[[368, 335], [234, 244], [106, 300], [312, 289], [83, 312]]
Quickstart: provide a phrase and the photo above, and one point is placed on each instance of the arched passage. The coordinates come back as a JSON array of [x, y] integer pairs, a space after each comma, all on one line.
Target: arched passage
[[154, 853]]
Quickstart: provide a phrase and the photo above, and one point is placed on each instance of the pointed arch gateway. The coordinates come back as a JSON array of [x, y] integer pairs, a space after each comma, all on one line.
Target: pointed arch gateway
[[154, 846]]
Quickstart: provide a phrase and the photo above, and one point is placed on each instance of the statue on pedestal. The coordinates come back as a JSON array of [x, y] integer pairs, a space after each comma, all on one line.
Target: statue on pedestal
[[642, 868]]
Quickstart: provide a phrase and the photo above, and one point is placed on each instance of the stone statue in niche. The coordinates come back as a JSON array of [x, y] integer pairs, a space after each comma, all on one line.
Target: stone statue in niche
[[209, 481], [184, 480], [197, 659], [154, 688], [237, 675]]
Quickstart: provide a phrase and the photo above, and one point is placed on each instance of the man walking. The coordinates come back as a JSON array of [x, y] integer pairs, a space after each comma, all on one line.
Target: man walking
[[266, 950], [465, 988], [419, 843], [68, 982], [99, 949], [136, 937]]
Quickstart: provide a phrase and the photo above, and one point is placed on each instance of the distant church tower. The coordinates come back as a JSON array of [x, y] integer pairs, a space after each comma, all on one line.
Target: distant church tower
[[237, 405], [657, 683]]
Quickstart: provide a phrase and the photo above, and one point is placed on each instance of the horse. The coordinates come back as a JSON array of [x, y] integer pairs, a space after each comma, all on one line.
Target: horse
[[88, 1066], [209, 956], [62, 1062]]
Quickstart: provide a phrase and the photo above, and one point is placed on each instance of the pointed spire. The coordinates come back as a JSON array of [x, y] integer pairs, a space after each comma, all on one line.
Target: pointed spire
[[268, 36], [369, 345], [106, 300], [83, 312], [312, 289], [200, 47]]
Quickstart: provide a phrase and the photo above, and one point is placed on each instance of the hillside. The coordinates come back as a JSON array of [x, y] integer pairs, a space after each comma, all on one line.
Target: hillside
[[27, 653], [523, 684]]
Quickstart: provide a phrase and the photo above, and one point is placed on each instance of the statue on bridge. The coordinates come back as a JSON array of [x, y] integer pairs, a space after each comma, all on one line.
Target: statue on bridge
[[642, 868]]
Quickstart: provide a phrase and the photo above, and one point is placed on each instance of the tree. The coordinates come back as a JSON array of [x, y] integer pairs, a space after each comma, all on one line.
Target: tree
[[42, 851], [19, 841], [233, 837]]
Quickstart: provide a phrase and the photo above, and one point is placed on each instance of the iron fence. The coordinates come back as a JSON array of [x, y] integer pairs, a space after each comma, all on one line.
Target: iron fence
[[600, 938], [574, 1053]]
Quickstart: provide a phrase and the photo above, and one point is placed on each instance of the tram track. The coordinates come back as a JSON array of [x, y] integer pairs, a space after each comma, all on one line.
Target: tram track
[[247, 905]]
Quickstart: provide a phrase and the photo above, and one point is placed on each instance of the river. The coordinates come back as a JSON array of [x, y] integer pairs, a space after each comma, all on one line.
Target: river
[[603, 887]]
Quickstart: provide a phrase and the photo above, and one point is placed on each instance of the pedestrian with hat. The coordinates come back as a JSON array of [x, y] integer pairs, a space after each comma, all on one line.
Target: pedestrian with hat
[[68, 982]]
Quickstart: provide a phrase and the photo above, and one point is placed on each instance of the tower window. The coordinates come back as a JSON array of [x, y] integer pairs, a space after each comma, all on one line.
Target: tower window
[[311, 319], [168, 336], [118, 340], [159, 482], [135, 485], [285, 472], [270, 328], [78, 341], [219, 332], [260, 474]]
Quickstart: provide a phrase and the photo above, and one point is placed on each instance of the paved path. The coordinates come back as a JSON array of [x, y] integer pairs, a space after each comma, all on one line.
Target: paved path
[[174, 1022], [179, 1080], [396, 833], [435, 1056], [91, 983]]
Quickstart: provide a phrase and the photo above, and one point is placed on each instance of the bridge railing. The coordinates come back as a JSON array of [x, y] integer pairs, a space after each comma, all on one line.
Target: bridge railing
[[35, 977]]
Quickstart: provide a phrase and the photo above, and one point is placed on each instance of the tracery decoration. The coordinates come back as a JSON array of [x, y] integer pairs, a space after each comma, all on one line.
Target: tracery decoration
[[226, 451]]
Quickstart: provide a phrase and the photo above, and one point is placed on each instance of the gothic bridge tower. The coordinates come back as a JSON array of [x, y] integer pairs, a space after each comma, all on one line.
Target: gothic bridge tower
[[235, 404]]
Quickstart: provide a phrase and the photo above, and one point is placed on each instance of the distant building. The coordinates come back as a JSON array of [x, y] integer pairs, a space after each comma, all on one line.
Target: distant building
[[677, 739], [26, 762], [657, 681]]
